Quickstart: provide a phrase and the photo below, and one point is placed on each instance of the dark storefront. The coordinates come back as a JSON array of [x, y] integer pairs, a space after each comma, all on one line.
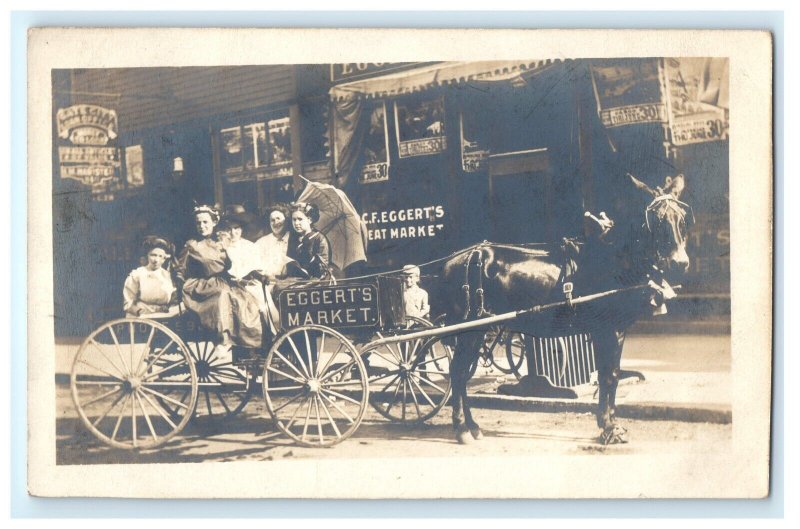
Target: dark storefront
[[224, 135], [435, 156]]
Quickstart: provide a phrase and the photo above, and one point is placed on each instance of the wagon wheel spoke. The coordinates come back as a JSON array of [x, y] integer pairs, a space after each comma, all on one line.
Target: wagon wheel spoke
[[118, 349], [117, 389], [324, 370], [437, 388], [343, 413], [159, 409], [319, 420], [414, 397], [99, 419], [291, 365], [285, 375], [424, 393], [146, 417], [107, 359], [330, 418], [299, 357]]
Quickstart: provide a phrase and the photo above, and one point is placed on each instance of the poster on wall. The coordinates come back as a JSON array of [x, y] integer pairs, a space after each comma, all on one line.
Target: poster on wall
[[376, 148], [134, 166], [474, 154], [420, 127], [628, 92], [698, 99]]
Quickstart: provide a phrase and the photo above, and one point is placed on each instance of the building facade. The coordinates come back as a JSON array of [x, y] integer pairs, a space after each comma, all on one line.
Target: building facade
[[435, 156]]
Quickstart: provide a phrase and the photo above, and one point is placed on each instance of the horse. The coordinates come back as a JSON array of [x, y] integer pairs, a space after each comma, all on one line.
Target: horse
[[647, 249]]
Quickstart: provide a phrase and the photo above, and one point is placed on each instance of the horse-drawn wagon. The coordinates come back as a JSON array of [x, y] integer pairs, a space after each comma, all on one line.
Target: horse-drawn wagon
[[137, 382]]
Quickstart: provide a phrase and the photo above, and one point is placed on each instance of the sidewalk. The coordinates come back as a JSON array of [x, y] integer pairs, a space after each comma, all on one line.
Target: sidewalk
[[687, 378]]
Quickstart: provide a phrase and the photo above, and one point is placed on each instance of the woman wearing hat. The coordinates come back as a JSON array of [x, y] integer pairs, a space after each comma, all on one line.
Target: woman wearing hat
[[149, 288], [208, 289]]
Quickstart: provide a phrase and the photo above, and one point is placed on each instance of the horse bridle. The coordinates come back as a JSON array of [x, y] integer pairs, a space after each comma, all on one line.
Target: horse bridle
[[684, 210]]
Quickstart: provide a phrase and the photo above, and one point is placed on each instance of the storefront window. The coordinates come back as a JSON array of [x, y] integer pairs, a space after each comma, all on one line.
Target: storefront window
[[420, 127], [255, 150]]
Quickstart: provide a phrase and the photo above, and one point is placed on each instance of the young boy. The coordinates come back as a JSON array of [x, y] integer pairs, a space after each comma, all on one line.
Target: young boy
[[415, 298]]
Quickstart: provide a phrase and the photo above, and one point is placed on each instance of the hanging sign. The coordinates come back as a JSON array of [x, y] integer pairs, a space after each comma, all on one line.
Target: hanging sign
[[83, 116], [628, 92], [376, 148], [697, 88], [87, 158], [474, 158], [420, 128]]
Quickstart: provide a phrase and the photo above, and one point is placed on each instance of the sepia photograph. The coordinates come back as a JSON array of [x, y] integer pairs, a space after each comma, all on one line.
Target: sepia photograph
[[540, 255]]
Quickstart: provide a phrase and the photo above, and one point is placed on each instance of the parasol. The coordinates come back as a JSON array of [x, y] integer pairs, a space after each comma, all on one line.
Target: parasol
[[339, 222]]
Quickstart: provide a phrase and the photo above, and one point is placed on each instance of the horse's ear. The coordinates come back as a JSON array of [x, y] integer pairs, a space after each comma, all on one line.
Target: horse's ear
[[675, 185], [642, 186]]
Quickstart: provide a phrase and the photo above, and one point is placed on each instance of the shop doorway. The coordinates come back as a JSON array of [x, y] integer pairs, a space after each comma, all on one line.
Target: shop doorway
[[520, 193]]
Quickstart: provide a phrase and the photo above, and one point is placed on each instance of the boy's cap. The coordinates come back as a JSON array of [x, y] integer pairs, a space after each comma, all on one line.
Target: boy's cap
[[411, 270]]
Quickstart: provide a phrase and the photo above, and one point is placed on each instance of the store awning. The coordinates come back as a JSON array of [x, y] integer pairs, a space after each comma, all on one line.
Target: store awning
[[440, 74]]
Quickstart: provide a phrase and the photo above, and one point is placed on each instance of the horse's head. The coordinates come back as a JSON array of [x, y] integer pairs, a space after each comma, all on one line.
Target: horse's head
[[666, 224]]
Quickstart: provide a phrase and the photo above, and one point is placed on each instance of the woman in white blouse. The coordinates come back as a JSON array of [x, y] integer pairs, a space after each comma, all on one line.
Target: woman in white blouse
[[272, 247], [149, 289], [272, 250]]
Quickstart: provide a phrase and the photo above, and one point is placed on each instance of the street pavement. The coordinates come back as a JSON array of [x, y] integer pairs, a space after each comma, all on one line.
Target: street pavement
[[687, 377]]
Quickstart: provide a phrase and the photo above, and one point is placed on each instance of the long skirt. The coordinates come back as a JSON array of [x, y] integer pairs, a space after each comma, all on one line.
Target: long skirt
[[223, 307]]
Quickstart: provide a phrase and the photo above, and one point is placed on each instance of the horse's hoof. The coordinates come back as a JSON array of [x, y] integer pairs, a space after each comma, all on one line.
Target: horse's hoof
[[464, 438], [614, 435], [477, 434]]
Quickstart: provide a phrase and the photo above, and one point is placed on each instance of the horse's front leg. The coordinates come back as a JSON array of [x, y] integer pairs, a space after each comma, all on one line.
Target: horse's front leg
[[608, 354], [466, 351]]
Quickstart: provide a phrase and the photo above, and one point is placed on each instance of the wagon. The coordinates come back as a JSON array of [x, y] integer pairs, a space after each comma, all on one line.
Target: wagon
[[137, 382]]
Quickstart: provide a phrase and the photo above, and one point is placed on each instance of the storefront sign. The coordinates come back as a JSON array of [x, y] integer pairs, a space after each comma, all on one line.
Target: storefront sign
[[350, 71], [420, 128], [78, 116], [376, 148], [629, 92], [351, 305], [633, 114], [698, 99], [88, 155], [411, 223], [473, 157]]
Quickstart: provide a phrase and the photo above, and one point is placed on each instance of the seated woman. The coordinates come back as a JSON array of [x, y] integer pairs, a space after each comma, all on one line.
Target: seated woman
[[311, 251], [223, 306], [149, 289], [274, 246]]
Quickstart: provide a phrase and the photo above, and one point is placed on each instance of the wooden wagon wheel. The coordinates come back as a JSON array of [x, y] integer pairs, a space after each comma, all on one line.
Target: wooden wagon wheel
[[412, 378], [122, 375], [223, 391], [315, 385], [515, 353]]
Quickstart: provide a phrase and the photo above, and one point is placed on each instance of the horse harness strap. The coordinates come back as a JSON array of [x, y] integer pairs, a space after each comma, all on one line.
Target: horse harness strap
[[569, 251], [477, 255]]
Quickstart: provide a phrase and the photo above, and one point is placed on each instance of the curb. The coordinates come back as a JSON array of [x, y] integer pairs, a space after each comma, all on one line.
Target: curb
[[646, 410]]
